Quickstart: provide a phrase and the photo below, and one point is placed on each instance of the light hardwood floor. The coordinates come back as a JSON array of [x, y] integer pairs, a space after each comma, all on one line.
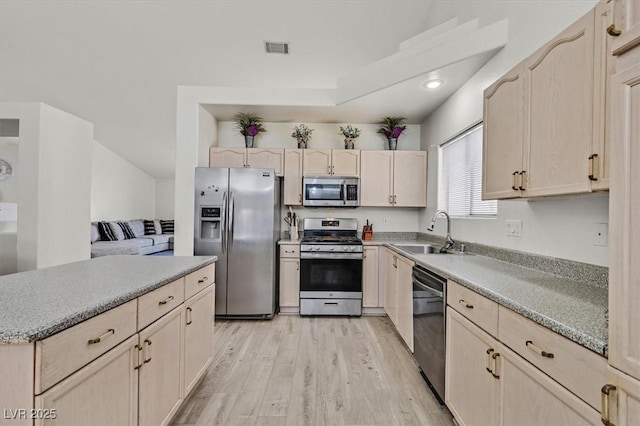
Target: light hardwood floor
[[311, 371]]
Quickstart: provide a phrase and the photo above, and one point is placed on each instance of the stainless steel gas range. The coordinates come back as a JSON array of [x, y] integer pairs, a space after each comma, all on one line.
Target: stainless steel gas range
[[330, 268]]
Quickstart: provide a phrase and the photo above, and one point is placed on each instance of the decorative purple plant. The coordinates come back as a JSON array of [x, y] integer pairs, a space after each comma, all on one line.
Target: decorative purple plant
[[248, 124], [392, 127], [253, 130]]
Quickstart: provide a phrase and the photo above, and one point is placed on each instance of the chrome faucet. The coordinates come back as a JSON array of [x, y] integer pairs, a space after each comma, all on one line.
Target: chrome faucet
[[449, 241]]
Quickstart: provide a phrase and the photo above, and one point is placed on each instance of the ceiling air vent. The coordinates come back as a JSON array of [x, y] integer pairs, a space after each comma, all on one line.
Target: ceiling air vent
[[276, 47]]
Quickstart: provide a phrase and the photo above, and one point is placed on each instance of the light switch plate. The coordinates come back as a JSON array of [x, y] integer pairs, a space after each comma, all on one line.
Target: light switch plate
[[600, 234], [514, 228]]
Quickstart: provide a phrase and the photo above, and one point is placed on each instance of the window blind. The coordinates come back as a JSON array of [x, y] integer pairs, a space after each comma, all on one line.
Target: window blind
[[460, 189]]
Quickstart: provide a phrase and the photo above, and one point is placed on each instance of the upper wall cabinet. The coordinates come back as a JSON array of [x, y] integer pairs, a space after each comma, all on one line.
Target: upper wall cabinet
[[393, 178], [293, 177], [331, 162], [544, 120], [258, 158]]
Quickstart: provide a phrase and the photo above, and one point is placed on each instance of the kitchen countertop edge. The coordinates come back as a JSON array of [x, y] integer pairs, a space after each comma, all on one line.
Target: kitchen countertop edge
[[47, 330]]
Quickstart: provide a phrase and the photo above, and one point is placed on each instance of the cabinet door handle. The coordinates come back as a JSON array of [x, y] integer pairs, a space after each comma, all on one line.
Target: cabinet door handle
[[395, 199], [604, 404], [146, 349], [189, 310], [537, 350], [593, 167], [138, 362], [395, 261], [390, 199], [298, 265], [165, 301], [495, 357], [465, 304], [333, 170], [515, 180], [612, 31], [329, 169], [203, 280], [300, 198], [522, 178], [108, 333], [488, 367]]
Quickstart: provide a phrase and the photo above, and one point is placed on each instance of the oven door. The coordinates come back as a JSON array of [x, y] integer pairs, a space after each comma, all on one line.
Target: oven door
[[331, 278]]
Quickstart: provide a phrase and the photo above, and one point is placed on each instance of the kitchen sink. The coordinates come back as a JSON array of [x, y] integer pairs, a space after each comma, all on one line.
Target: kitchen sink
[[418, 248]]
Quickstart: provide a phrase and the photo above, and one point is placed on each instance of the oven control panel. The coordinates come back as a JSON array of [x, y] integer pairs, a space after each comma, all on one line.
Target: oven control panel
[[331, 248]]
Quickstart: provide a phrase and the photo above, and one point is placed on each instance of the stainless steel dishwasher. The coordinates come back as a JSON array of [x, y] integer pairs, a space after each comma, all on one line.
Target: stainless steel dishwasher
[[429, 302]]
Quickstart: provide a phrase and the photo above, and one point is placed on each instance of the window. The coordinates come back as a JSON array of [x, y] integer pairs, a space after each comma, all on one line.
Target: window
[[460, 176]]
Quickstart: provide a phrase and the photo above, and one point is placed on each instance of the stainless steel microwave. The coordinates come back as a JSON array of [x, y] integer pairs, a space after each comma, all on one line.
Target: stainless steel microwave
[[331, 191]]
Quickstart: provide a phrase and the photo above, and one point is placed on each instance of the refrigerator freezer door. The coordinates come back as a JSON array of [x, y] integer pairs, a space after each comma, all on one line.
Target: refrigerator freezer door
[[211, 193], [251, 248]]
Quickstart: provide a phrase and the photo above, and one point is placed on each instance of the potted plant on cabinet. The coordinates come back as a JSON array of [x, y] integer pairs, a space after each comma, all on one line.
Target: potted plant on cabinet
[[302, 134], [248, 125], [350, 134], [392, 128]]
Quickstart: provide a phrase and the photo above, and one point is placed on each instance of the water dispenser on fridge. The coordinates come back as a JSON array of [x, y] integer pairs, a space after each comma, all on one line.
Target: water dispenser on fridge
[[210, 223]]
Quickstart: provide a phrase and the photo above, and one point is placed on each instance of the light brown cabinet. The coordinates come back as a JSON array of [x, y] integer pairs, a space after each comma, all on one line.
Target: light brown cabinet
[[398, 302], [258, 158], [198, 337], [104, 392], [544, 121], [370, 277], [160, 391], [391, 285], [289, 294], [393, 178], [293, 177], [538, 379], [331, 162]]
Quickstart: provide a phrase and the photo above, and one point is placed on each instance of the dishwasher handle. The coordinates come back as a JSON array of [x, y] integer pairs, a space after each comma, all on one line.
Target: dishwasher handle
[[425, 287]]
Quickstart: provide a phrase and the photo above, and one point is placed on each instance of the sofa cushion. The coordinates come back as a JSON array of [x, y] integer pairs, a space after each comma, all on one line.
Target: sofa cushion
[[106, 232], [137, 226], [167, 226], [160, 239], [95, 234], [141, 242], [107, 248], [149, 227]]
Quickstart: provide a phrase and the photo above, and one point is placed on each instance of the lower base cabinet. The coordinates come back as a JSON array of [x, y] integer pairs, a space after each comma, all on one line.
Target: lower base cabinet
[[104, 392], [621, 399], [160, 385], [398, 302], [488, 384], [198, 338]]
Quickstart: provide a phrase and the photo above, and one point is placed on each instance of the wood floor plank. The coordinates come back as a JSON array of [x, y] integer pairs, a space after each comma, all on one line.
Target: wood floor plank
[[312, 371]]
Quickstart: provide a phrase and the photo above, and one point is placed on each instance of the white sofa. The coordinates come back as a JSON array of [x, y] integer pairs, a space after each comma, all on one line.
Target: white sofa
[[140, 245]]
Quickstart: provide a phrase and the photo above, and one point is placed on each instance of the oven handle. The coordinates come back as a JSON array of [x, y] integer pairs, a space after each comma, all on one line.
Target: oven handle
[[331, 256], [423, 286], [344, 193]]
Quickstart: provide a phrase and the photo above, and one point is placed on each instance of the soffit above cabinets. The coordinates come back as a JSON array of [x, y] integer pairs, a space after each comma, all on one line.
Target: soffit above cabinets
[[393, 85]]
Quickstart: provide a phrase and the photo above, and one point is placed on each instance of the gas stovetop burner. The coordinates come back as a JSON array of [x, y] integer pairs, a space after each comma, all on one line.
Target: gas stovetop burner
[[336, 240]]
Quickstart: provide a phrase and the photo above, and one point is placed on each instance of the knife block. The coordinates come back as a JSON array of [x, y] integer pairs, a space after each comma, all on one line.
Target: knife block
[[367, 235]]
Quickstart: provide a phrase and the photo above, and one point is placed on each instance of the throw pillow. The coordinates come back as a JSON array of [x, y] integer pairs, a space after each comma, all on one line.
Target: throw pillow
[[137, 226], [156, 223], [149, 227], [95, 234], [167, 226], [126, 230], [106, 234], [117, 231]]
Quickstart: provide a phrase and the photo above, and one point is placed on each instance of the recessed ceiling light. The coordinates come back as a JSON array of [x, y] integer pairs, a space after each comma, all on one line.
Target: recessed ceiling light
[[432, 84]]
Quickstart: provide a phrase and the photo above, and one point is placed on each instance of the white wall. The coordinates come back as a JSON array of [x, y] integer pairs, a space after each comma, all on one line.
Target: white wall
[[324, 136], [55, 185], [555, 227], [165, 194], [9, 194], [119, 190]]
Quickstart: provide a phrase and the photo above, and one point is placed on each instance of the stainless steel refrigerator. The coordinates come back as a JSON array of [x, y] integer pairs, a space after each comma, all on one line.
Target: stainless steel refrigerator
[[237, 218]]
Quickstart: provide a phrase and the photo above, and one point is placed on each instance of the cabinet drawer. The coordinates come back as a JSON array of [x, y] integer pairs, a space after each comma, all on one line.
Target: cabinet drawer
[[477, 308], [199, 280], [66, 352], [290, 250], [153, 305], [578, 369]]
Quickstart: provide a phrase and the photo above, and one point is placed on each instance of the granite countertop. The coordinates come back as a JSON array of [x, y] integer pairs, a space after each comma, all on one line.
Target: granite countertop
[[37, 304], [576, 310]]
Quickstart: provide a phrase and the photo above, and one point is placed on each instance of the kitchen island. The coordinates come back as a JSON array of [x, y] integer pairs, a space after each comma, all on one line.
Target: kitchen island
[[118, 339]]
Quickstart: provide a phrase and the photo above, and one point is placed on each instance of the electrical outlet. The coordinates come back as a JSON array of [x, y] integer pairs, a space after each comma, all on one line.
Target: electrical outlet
[[514, 228], [385, 220], [599, 234]]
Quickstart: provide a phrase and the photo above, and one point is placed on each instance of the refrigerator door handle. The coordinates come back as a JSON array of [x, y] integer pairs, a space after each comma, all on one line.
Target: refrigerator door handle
[[223, 230], [232, 212]]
